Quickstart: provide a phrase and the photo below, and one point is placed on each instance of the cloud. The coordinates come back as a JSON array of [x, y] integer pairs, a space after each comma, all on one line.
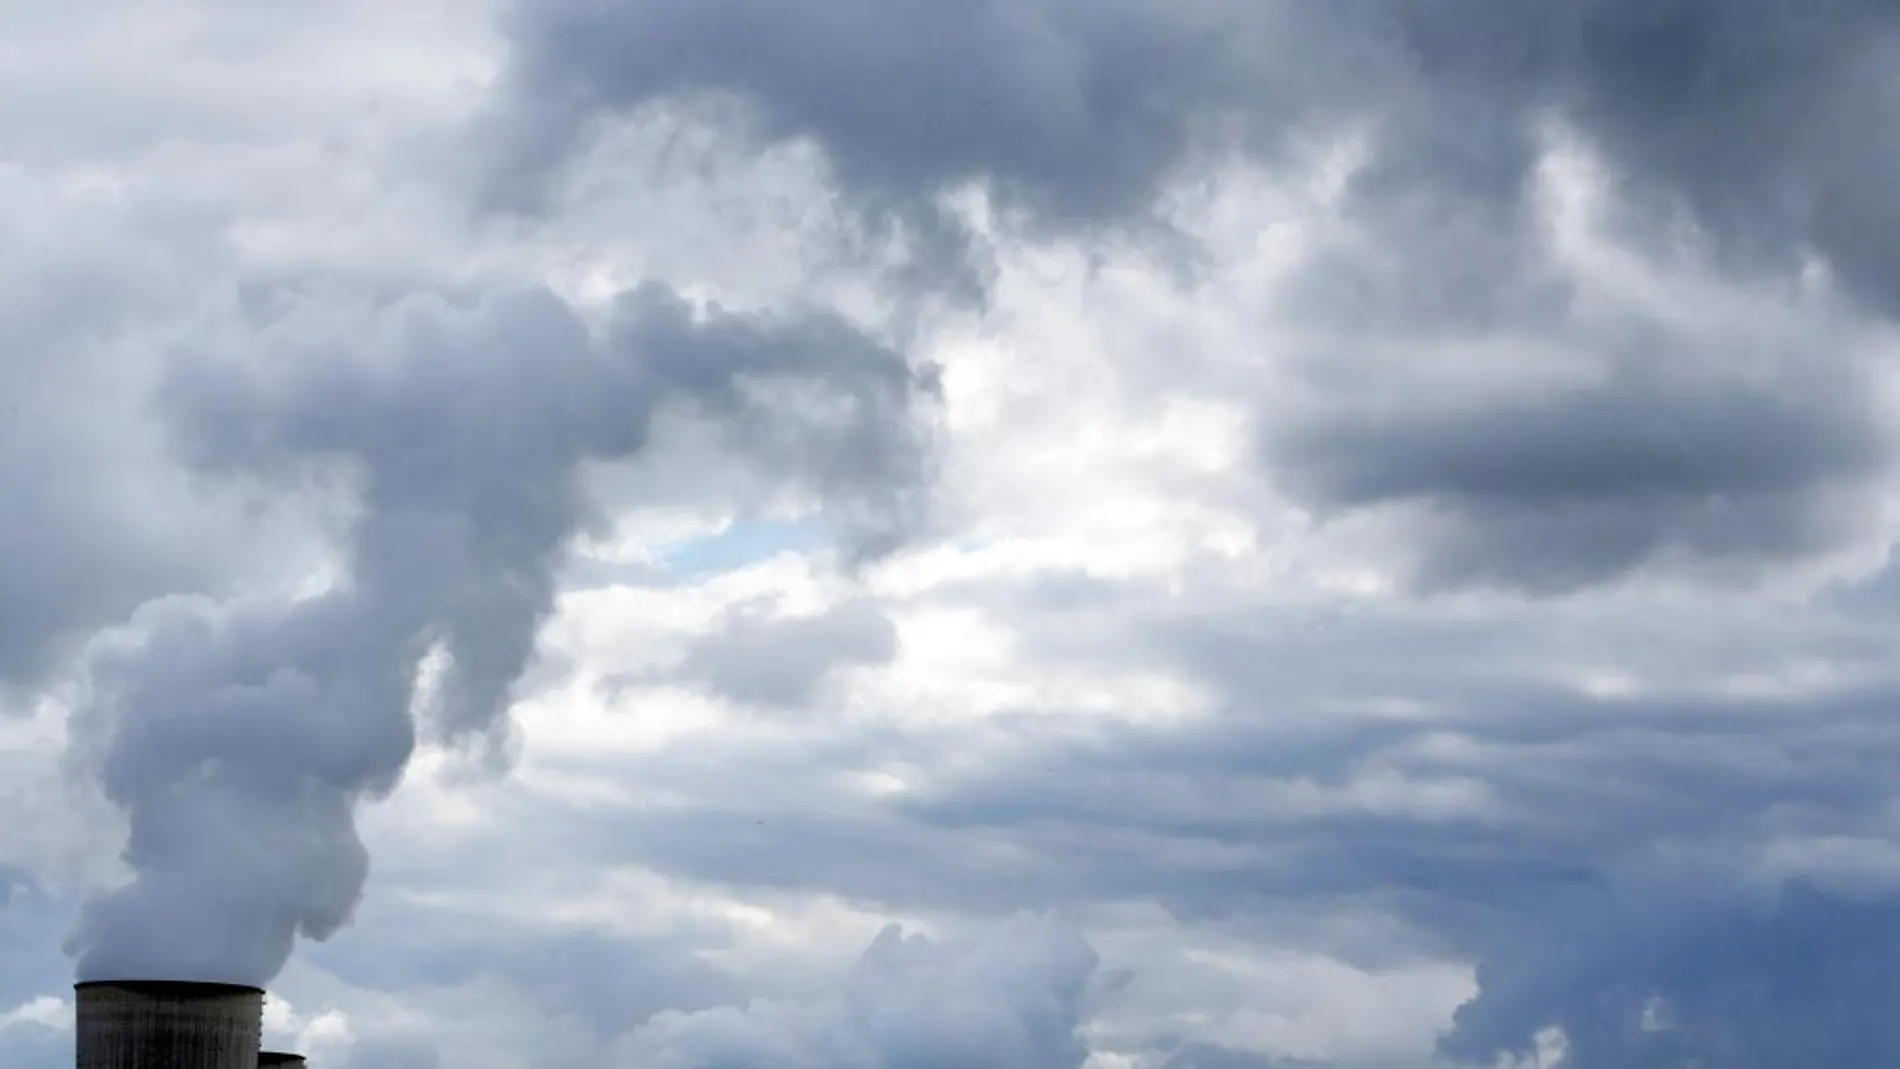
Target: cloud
[[392, 1054], [780, 661], [1034, 96], [1450, 625], [1577, 485], [1214, 1056], [1758, 121], [1766, 986], [596, 978], [31, 1044], [27, 915], [1752, 125], [1624, 867], [1012, 996], [1618, 431]]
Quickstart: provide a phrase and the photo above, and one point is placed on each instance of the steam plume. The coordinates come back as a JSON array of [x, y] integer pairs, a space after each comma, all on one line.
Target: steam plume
[[239, 738]]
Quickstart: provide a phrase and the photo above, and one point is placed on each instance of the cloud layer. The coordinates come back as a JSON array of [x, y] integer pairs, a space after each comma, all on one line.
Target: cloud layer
[[516, 519]]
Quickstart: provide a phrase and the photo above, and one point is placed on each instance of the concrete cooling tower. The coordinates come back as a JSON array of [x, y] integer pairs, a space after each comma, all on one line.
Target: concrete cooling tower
[[165, 1024]]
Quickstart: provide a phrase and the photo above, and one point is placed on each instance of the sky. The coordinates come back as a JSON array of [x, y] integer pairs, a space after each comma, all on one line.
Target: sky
[[911, 534]]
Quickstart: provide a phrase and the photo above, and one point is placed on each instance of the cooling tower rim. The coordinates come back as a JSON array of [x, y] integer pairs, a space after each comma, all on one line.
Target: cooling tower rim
[[171, 988]]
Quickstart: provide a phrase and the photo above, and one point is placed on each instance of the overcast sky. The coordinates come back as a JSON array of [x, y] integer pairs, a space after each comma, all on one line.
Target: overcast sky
[[937, 534]]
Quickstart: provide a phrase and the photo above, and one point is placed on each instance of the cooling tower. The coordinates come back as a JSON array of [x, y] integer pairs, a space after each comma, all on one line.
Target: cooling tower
[[277, 1059], [165, 1024]]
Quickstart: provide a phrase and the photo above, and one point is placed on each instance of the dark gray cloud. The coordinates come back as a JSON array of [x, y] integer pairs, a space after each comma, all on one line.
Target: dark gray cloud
[[1695, 113], [906, 99], [463, 430], [1762, 987], [1570, 486], [1760, 120], [780, 661], [1759, 125]]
